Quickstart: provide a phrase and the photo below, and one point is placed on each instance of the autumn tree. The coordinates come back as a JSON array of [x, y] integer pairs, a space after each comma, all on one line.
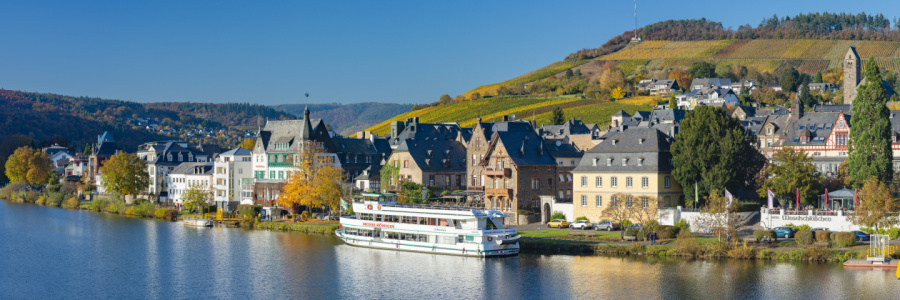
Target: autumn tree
[[719, 216], [557, 117], [196, 197], [790, 171], [248, 143], [682, 78], [445, 99], [673, 104], [314, 182], [29, 165], [702, 69], [617, 93], [124, 174], [870, 135], [877, 208], [616, 211], [611, 79]]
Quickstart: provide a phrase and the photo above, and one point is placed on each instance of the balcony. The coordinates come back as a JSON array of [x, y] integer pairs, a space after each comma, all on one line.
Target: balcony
[[507, 193], [280, 165], [476, 188], [505, 172]]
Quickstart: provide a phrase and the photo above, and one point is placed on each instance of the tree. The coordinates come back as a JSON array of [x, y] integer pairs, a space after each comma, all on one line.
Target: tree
[[445, 99], [612, 78], [248, 143], [805, 96], [682, 78], [196, 198], [617, 93], [124, 174], [818, 78], [793, 170], [719, 216], [714, 151], [569, 73], [724, 71], [29, 165], [789, 79], [616, 211], [557, 117], [314, 182], [87, 150], [870, 133], [702, 69], [673, 104], [877, 208]]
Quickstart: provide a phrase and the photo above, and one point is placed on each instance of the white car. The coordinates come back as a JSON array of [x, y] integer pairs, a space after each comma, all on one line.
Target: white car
[[581, 224]]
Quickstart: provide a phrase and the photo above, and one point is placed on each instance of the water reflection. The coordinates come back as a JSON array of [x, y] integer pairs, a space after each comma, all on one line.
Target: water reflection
[[87, 255]]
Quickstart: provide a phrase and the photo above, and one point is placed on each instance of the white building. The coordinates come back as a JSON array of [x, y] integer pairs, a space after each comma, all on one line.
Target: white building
[[233, 179], [707, 96], [161, 158], [186, 175]]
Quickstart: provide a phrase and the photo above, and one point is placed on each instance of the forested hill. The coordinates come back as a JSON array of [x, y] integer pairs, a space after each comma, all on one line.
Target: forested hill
[[347, 119]]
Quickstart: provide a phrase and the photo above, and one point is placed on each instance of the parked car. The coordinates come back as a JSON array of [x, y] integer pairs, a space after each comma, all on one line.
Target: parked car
[[818, 229], [861, 235], [605, 225], [635, 226], [558, 223], [785, 232], [581, 224]]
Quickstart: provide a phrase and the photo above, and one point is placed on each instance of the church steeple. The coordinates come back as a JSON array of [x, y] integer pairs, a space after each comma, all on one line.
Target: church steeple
[[797, 108], [306, 129]]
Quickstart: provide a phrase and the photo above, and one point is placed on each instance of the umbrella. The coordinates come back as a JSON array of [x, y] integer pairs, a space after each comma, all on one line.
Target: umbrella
[[826, 199]]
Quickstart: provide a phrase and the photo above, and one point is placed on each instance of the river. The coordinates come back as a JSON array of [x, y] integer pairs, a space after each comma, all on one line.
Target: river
[[58, 253]]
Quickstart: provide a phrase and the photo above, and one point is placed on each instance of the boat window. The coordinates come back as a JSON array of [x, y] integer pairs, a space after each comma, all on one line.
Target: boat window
[[379, 218], [460, 239], [443, 222], [470, 238], [490, 224], [432, 221]]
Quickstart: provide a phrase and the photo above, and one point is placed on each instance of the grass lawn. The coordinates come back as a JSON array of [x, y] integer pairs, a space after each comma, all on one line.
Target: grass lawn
[[548, 233]]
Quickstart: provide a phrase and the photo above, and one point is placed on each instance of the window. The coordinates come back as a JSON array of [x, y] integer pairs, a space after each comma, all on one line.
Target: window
[[668, 182], [535, 183], [613, 181], [599, 181], [573, 162], [405, 164], [583, 200], [271, 174], [628, 203], [668, 200], [583, 181], [598, 201], [430, 179], [613, 201], [395, 164], [628, 182], [473, 160], [506, 183], [595, 162], [624, 162], [640, 162], [644, 202], [609, 162], [645, 182], [550, 182], [474, 179]]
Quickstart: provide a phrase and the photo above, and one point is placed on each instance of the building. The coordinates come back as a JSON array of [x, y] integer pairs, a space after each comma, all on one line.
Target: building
[[163, 156], [853, 77], [187, 175], [659, 87], [439, 163], [233, 179], [568, 156], [707, 96], [710, 83], [105, 148], [412, 129], [635, 164], [584, 136], [369, 180]]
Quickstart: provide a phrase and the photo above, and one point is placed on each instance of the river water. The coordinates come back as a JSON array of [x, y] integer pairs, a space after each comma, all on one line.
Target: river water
[[51, 253]]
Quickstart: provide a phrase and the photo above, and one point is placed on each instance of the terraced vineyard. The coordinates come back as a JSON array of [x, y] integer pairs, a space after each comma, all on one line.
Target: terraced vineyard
[[492, 109]]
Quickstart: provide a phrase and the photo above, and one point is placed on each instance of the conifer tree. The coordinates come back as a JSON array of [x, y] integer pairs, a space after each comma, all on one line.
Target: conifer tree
[[870, 131], [557, 117]]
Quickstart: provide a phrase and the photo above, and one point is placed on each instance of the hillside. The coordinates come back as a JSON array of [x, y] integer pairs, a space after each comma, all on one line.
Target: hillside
[[347, 119]]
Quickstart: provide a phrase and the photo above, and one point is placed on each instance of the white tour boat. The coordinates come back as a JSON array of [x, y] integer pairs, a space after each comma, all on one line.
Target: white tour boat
[[198, 222], [383, 223]]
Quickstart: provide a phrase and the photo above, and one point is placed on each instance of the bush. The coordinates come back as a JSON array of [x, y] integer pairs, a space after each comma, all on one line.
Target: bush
[[558, 215], [687, 246], [304, 216], [683, 225], [523, 212], [634, 232], [171, 214], [667, 232], [71, 203], [581, 218], [41, 200], [844, 239], [114, 206], [718, 248], [145, 209], [823, 236], [893, 233], [742, 252], [11, 190], [248, 214], [625, 223], [804, 238], [130, 211], [759, 235], [54, 199], [798, 227], [29, 196], [98, 204]]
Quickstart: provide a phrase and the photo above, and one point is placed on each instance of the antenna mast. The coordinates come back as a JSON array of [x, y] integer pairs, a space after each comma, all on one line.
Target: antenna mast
[[635, 38]]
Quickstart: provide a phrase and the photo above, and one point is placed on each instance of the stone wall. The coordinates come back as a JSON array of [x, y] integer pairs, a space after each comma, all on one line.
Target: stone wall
[[529, 219]]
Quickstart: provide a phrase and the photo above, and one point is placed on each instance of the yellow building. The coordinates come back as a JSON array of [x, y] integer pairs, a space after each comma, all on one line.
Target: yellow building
[[633, 164]]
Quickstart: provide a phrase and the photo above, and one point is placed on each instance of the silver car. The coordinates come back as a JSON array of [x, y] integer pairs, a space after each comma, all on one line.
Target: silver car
[[581, 224], [605, 225]]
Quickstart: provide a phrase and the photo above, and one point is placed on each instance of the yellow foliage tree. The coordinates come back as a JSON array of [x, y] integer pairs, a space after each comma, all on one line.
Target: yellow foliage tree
[[124, 174], [617, 93], [30, 165], [314, 182], [248, 143]]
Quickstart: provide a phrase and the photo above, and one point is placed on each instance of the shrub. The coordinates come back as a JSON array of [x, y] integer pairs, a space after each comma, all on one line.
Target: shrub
[[11, 190], [41, 200], [581, 218], [688, 247], [742, 252], [804, 238], [171, 214], [867, 230], [54, 199], [683, 225], [625, 223], [633, 232], [304, 216], [248, 214], [893, 233], [667, 232], [30, 197], [114, 206], [844, 239], [823, 236], [816, 253], [558, 215], [761, 234], [523, 212], [798, 227], [765, 254], [130, 211], [718, 248], [71, 203], [145, 209], [99, 204]]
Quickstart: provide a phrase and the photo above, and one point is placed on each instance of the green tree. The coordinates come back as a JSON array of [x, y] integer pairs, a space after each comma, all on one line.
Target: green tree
[[673, 104], [702, 69], [87, 150], [870, 133], [818, 78], [29, 165], [557, 117], [790, 171], [445, 99], [569, 73], [196, 198], [724, 71], [124, 174], [789, 80], [805, 96], [714, 151]]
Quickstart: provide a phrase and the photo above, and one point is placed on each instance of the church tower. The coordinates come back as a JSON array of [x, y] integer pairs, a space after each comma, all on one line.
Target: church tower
[[851, 75]]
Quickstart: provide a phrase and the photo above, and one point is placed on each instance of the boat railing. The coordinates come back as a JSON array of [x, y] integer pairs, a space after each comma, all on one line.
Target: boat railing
[[437, 207]]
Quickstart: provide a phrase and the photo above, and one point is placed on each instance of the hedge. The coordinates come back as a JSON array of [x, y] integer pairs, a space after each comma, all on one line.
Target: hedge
[[667, 232], [845, 239], [823, 236], [804, 237], [761, 234]]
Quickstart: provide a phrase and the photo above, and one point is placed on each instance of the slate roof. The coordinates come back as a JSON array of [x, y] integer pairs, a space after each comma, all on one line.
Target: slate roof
[[294, 131], [570, 127], [562, 148], [372, 173], [187, 168], [436, 155], [711, 82], [815, 125], [164, 148], [666, 116], [441, 131], [643, 149], [846, 108], [105, 137], [106, 149], [237, 152]]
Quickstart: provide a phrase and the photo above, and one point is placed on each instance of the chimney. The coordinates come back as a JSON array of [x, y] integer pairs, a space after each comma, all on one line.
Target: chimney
[[615, 123]]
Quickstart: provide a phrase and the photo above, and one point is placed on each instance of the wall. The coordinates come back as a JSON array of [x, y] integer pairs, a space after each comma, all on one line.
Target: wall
[[655, 189], [836, 222], [529, 219], [669, 216]]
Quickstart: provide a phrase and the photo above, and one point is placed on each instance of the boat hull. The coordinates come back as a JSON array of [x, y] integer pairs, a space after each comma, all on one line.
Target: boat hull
[[433, 248], [198, 223]]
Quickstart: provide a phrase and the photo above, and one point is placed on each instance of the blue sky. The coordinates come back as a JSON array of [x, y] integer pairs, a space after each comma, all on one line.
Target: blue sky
[[272, 52]]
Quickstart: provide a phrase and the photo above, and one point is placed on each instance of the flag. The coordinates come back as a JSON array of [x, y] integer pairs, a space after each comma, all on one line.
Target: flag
[[729, 196], [771, 199], [826, 199], [798, 198], [855, 200], [696, 194]]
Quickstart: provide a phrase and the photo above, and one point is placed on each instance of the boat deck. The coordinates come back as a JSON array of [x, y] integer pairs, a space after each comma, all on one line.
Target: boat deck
[[862, 263]]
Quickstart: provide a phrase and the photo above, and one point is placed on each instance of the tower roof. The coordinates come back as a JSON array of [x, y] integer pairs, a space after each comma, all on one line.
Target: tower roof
[[851, 53]]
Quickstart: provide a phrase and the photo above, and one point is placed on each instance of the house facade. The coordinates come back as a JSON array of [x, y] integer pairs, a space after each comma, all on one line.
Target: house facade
[[161, 158], [189, 175], [233, 179], [438, 163]]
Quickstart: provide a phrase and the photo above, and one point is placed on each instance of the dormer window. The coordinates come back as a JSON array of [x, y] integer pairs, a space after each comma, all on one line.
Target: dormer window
[[595, 162], [180, 157], [169, 157], [609, 162], [190, 156], [640, 162], [624, 162], [769, 131]]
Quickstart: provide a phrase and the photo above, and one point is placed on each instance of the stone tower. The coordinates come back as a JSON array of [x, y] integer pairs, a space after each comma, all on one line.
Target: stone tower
[[851, 75]]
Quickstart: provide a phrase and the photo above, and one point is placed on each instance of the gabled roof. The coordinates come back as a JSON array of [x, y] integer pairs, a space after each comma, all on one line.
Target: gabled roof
[[633, 150], [236, 152], [817, 126], [846, 108], [441, 131], [436, 155], [192, 168], [560, 148], [570, 127], [525, 148]]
